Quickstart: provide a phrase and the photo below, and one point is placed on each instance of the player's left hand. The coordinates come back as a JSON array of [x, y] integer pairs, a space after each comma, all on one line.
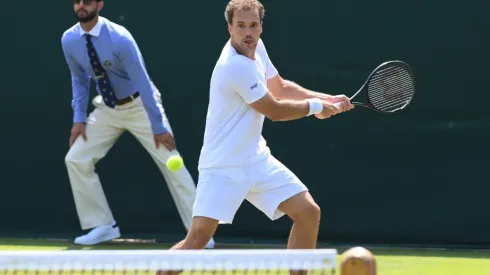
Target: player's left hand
[[346, 104], [165, 139]]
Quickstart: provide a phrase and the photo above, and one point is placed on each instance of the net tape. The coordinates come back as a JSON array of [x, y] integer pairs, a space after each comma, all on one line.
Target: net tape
[[220, 259]]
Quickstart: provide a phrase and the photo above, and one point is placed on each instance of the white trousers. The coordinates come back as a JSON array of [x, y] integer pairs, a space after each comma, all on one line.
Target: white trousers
[[104, 127]]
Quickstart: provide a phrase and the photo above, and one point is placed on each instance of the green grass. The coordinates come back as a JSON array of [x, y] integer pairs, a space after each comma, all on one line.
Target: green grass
[[391, 261]]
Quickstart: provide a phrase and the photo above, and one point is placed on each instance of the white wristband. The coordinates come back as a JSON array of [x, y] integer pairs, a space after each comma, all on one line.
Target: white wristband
[[316, 106]]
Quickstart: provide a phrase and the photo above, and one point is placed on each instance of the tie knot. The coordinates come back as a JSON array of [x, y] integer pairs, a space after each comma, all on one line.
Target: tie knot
[[88, 37]]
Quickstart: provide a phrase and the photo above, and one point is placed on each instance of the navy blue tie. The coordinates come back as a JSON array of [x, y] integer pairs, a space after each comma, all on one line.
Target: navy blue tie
[[103, 82]]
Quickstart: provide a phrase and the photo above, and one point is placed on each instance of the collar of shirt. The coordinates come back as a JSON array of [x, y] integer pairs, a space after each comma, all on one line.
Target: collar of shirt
[[95, 31]]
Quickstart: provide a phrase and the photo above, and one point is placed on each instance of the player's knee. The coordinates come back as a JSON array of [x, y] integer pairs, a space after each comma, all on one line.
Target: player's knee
[[309, 214], [313, 213], [302, 209]]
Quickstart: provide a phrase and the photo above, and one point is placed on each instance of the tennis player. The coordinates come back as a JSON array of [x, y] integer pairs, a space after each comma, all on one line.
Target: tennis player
[[235, 163]]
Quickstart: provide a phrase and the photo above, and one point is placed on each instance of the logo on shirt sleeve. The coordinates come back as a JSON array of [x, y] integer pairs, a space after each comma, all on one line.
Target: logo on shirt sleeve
[[253, 86]]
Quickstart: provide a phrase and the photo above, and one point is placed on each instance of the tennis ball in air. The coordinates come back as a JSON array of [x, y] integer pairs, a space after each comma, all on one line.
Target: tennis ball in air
[[174, 163]]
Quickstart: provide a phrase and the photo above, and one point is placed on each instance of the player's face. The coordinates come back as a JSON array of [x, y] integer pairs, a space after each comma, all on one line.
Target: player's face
[[245, 30], [86, 10]]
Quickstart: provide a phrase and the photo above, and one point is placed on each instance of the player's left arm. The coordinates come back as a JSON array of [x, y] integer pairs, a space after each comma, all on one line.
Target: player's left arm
[[132, 60], [286, 89]]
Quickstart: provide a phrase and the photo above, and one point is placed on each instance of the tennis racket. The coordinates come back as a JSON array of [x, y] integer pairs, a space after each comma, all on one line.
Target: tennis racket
[[388, 89]]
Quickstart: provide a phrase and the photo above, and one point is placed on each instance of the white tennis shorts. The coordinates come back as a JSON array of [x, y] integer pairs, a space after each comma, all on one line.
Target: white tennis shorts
[[265, 184]]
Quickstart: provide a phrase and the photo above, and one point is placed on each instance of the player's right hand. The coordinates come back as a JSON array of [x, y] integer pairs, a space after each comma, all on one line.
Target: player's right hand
[[78, 129]]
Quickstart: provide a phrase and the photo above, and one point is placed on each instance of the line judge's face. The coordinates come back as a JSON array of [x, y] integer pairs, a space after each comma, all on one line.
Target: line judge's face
[[86, 10], [245, 31]]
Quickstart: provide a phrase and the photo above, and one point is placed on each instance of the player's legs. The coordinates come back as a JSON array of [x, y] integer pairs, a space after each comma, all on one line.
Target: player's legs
[[305, 213], [180, 183], [220, 192], [102, 131], [277, 192], [201, 231]]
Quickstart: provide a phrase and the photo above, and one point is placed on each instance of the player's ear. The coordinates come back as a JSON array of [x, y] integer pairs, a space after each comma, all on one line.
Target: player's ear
[[229, 27], [100, 5]]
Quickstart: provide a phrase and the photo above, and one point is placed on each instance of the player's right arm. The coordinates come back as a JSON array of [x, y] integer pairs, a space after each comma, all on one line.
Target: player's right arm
[[245, 80], [80, 81]]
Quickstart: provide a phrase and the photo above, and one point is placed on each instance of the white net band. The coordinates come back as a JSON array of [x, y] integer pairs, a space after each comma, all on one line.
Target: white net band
[[144, 260]]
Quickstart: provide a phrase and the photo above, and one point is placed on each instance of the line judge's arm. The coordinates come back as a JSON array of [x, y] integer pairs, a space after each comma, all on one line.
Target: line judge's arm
[[132, 59], [80, 81]]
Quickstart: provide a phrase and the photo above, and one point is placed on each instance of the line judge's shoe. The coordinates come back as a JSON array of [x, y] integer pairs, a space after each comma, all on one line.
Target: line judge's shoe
[[100, 234], [210, 244]]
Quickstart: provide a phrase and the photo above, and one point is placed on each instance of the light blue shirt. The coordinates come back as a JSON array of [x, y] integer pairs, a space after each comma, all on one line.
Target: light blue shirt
[[123, 62]]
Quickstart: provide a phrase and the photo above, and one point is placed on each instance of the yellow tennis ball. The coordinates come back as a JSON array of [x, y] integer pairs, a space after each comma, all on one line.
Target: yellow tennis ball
[[174, 163]]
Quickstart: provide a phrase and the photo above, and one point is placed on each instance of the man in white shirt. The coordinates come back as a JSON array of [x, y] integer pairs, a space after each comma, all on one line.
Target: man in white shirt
[[235, 162]]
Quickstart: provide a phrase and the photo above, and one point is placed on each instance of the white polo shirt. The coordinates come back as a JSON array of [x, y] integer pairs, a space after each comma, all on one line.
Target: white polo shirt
[[233, 134]]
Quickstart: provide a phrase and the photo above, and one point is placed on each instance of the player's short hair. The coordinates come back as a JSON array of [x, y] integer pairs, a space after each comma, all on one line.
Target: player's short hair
[[235, 5]]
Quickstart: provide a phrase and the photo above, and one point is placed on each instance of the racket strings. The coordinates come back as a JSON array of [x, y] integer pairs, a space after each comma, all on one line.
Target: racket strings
[[391, 88], [401, 97]]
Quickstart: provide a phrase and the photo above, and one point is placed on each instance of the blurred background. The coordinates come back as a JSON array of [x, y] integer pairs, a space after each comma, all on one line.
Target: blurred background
[[418, 177]]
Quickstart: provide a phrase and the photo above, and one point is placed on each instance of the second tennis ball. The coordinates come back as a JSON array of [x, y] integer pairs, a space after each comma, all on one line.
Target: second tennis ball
[[174, 163]]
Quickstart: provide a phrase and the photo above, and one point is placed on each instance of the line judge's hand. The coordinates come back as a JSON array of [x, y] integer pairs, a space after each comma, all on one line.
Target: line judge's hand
[[165, 139], [77, 130]]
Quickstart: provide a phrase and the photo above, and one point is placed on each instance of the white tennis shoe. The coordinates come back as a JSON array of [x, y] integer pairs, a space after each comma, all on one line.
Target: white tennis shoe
[[100, 234]]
